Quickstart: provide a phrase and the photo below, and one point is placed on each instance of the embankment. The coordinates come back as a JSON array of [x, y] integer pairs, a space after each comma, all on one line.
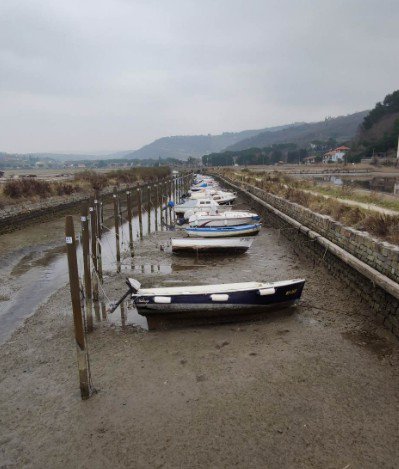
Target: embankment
[[367, 265], [18, 216]]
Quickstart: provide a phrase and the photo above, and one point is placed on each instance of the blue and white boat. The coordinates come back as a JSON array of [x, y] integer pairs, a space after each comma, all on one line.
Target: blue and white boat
[[227, 300], [224, 231], [229, 218]]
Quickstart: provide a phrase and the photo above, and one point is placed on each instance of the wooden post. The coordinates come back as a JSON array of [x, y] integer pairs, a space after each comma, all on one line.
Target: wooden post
[[130, 218], [93, 234], [170, 190], [140, 210], [166, 202], [98, 205], [86, 267], [178, 189], [123, 314], [149, 209], [97, 209], [116, 220], [83, 358], [93, 229], [156, 206], [174, 189], [161, 205]]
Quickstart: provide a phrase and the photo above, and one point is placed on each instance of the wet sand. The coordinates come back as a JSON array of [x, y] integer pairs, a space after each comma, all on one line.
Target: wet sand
[[313, 386]]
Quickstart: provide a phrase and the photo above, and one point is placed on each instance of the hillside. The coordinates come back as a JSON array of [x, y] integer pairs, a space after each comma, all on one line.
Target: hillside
[[341, 129], [378, 134], [184, 146]]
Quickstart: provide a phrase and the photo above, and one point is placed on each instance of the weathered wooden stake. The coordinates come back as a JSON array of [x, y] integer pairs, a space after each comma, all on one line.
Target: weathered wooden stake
[[130, 220], [93, 234], [116, 220], [140, 210], [97, 209], [178, 189], [93, 230], [174, 189], [103, 311], [170, 190], [86, 267], [123, 314], [161, 205], [83, 358], [149, 209], [156, 205], [166, 202]]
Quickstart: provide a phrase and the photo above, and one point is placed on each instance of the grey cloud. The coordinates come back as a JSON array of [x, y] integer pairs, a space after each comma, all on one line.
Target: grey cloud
[[113, 74]]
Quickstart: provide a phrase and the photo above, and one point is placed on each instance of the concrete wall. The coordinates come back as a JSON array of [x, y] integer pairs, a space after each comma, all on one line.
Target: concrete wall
[[380, 256]]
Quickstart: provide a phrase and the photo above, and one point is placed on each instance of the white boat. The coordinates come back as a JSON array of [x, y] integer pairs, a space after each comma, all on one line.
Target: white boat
[[221, 197], [238, 245], [198, 205], [224, 198], [225, 231], [203, 194], [204, 184], [230, 218]]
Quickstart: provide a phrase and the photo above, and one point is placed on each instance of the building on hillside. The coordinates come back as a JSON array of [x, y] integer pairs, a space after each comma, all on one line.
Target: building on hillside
[[310, 160], [335, 156]]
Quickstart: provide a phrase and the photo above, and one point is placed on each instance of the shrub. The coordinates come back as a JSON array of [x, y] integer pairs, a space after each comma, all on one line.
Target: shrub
[[27, 187]]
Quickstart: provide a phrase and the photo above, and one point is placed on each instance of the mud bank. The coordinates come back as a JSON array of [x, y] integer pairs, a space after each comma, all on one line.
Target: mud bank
[[314, 386]]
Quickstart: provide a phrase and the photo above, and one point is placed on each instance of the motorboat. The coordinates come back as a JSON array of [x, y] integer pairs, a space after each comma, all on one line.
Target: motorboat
[[225, 301], [230, 218], [198, 205], [196, 245], [224, 231], [224, 198], [221, 197]]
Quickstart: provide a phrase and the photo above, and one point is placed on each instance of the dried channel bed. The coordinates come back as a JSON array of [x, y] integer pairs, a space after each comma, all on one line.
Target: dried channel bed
[[313, 387]]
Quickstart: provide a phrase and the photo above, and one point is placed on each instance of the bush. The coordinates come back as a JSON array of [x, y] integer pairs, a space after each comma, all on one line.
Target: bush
[[66, 189], [26, 187]]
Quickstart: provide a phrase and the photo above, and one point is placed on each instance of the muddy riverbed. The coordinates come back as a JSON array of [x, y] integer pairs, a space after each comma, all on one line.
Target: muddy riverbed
[[313, 386]]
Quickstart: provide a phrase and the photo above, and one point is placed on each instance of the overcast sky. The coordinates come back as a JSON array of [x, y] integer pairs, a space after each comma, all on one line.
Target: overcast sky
[[105, 75]]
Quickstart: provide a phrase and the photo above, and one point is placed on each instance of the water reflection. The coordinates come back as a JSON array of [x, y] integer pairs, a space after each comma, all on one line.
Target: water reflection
[[41, 273]]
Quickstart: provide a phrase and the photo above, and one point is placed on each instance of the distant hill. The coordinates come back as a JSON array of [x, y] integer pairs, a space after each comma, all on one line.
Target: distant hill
[[184, 146], [341, 129]]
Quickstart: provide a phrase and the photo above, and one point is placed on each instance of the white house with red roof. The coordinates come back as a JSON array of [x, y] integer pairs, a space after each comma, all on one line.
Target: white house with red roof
[[335, 156]]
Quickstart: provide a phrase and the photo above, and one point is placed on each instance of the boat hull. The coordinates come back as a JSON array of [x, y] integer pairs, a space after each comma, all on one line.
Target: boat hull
[[216, 305], [157, 320], [181, 211], [188, 245], [223, 232], [220, 222]]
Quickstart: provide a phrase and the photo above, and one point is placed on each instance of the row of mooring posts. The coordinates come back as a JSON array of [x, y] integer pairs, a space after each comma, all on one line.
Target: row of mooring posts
[[160, 197]]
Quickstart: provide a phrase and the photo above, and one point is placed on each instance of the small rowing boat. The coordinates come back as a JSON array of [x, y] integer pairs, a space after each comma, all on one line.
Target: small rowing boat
[[226, 301], [225, 231], [237, 245]]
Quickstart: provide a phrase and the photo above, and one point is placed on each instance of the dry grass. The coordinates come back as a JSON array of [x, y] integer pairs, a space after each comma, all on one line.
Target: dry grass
[[31, 190], [380, 225]]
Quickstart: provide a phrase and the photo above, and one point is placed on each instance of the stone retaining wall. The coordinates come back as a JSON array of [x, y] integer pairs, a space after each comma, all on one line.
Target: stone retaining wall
[[18, 216], [382, 256], [370, 251]]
